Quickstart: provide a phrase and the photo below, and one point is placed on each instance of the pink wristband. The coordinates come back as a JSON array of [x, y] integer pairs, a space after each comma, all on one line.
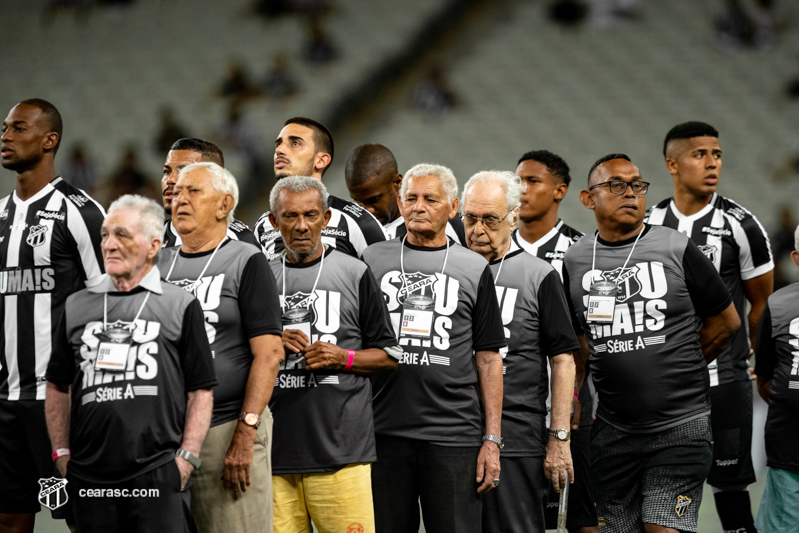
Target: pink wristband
[[61, 452], [351, 353], [576, 394]]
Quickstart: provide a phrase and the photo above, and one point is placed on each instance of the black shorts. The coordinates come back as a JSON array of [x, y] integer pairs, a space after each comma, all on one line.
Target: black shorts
[[25, 458], [517, 504], [582, 507], [151, 502], [731, 423], [654, 478]]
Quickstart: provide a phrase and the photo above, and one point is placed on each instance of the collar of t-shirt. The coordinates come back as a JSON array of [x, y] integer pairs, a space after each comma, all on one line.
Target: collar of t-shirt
[[625, 242], [289, 264], [696, 216], [151, 281], [450, 242], [188, 255], [533, 246], [391, 228]]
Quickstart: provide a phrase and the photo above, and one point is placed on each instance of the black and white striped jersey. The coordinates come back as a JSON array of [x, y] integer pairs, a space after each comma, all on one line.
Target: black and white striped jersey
[[738, 246], [552, 246], [49, 248], [350, 230], [236, 230]]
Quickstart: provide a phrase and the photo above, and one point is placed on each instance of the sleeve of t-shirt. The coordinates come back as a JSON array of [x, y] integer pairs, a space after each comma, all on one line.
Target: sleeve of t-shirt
[[376, 329], [259, 305], [487, 329], [706, 288], [195, 352], [556, 331], [766, 351], [755, 258], [576, 326], [61, 368]]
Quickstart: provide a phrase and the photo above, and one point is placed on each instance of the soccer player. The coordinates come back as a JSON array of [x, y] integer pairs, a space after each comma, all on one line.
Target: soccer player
[[129, 385], [337, 333], [49, 248], [545, 177], [438, 416], [654, 312], [778, 384], [185, 152], [538, 329], [238, 295], [374, 182], [304, 147], [737, 245]]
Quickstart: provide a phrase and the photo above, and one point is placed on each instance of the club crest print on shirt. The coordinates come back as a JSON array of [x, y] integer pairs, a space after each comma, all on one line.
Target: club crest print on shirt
[[208, 291], [325, 319], [645, 282]]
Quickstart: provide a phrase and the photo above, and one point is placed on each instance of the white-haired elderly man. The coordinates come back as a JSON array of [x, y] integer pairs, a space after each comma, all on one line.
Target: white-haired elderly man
[[437, 418], [778, 384], [538, 329], [337, 333], [131, 353], [237, 293]]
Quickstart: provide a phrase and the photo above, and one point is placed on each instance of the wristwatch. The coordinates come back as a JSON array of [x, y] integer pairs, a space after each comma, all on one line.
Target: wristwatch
[[250, 419], [194, 460], [560, 434], [499, 441]]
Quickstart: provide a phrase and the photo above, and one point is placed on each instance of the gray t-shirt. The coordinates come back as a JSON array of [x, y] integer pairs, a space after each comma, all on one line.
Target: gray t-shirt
[[647, 365], [434, 395]]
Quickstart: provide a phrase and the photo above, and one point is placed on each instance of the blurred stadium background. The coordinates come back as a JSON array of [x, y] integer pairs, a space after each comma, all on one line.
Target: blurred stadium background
[[471, 84]]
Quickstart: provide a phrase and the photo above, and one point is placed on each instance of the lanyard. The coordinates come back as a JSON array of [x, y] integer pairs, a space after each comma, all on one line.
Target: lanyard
[[402, 257], [318, 274], [502, 262], [204, 268], [593, 257], [105, 310]]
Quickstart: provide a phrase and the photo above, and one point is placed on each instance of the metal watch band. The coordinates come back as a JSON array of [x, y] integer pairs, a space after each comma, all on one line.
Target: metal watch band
[[247, 419], [560, 434], [499, 441], [195, 461]]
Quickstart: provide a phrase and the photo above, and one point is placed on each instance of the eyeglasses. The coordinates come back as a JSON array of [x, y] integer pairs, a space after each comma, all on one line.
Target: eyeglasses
[[489, 222], [620, 187]]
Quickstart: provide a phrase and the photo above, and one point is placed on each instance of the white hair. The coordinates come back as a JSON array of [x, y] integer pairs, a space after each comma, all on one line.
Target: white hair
[[151, 214], [297, 184], [511, 185], [221, 179], [444, 175]]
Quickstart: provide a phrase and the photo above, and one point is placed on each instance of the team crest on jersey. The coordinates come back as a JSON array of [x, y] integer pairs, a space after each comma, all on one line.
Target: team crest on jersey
[[53, 492], [121, 325], [37, 235], [416, 283], [4, 214], [709, 250], [682, 505], [299, 300], [188, 285], [627, 281]]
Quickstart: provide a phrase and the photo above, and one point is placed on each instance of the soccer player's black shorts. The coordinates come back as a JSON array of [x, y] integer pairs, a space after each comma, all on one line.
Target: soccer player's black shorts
[[582, 510], [25, 457], [152, 501], [731, 423], [517, 504], [654, 478]]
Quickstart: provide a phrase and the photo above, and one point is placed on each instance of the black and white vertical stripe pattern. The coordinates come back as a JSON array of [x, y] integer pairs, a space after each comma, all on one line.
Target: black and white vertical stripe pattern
[[552, 246]]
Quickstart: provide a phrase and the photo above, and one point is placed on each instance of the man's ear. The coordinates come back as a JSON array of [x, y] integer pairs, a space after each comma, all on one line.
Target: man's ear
[[321, 161], [397, 182], [795, 257], [560, 191], [225, 207], [587, 199], [328, 214], [456, 203]]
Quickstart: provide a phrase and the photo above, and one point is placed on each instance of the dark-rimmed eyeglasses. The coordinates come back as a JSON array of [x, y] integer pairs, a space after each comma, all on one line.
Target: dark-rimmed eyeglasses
[[620, 187], [490, 222]]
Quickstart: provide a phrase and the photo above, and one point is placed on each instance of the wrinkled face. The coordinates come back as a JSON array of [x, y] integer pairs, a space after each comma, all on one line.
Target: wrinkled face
[[487, 202], [542, 192], [695, 164], [176, 160], [379, 197], [300, 219], [295, 152], [25, 137], [626, 209], [197, 204], [126, 250], [425, 207]]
